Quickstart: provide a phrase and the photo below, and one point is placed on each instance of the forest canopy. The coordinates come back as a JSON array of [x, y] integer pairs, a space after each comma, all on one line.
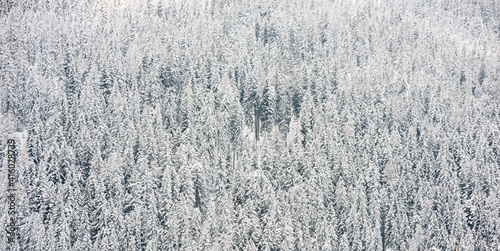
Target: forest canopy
[[252, 125]]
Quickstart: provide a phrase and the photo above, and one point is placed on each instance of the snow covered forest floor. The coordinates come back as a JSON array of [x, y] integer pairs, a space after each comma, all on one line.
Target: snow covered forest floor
[[252, 125]]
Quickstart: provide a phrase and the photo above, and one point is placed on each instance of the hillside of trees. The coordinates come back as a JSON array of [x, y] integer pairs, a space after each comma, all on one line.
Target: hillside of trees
[[252, 125]]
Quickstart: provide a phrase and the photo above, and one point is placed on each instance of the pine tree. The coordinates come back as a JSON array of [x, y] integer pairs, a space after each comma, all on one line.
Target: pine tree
[[267, 110]]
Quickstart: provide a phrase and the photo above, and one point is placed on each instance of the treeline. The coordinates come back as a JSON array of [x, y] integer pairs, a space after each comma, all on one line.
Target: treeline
[[253, 125]]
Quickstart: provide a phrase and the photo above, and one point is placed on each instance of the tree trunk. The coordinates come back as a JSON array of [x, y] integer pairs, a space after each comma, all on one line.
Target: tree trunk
[[256, 121]]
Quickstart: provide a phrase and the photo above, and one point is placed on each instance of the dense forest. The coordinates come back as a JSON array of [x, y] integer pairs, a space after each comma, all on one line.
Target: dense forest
[[252, 125]]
